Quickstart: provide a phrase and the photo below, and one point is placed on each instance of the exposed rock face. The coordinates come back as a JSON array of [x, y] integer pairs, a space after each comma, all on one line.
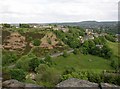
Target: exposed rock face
[[110, 86], [70, 83], [19, 85], [84, 84], [31, 86], [14, 42], [12, 83], [73, 82]]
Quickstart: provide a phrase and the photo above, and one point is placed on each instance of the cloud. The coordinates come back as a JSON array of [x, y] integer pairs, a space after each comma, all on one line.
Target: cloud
[[57, 10]]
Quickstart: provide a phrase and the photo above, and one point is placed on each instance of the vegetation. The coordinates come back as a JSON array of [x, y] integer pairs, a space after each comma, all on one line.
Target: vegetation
[[110, 38], [24, 26], [8, 57], [17, 74], [36, 42], [5, 25], [84, 63], [96, 48]]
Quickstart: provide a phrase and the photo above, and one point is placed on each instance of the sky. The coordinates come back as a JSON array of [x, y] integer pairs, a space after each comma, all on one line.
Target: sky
[[50, 11]]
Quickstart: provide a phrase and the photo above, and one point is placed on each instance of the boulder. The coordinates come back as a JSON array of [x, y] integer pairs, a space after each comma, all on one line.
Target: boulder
[[32, 86], [13, 84], [109, 86], [73, 82]]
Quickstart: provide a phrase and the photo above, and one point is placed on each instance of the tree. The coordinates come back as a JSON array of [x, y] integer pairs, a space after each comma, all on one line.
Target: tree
[[48, 60], [91, 46], [107, 51], [34, 62], [8, 57], [110, 38], [36, 42], [24, 26], [6, 25], [84, 50], [41, 68], [76, 51], [47, 75], [23, 62], [97, 41], [17, 74]]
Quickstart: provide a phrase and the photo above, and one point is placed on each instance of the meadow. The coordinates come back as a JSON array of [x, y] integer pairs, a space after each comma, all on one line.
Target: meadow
[[82, 62]]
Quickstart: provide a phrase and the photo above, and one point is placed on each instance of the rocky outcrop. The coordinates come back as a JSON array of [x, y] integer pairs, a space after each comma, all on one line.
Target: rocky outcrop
[[70, 83], [19, 85], [107, 85], [73, 82], [12, 83]]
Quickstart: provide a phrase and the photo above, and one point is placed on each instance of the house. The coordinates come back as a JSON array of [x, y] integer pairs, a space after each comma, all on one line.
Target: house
[[100, 46], [15, 25]]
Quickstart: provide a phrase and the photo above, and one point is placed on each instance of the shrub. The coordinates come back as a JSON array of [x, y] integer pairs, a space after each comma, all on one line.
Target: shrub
[[76, 51], [48, 60], [49, 41], [46, 74], [36, 42], [65, 54], [8, 57], [5, 74], [24, 62], [34, 62], [17, 74]]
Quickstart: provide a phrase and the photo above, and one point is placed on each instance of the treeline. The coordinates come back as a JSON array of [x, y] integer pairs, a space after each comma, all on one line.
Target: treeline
[[97, 47], [111, 37], [71, 38], [5, 25], [44, 72], [103, 77]]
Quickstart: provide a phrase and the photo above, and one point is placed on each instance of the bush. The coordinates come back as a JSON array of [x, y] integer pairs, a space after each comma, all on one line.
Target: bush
[[36, 42], [24, 62], [17, 74], [48, 60], [76, 51], [5, 74], [34, 62], [41, 68], [65, 54], [8, 57], [49, 41], [69, 70], [97, 78], [47, 75], [24, 26], [110, 38]]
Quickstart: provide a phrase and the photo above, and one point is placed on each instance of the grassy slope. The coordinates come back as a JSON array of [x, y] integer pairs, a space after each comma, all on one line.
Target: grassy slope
[[114, 47], [82, 62]]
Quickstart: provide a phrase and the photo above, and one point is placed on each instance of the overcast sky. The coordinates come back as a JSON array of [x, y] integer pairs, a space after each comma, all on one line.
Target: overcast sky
[[46, 11]]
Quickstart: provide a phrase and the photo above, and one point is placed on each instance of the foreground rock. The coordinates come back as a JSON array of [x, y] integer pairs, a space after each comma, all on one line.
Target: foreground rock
[[12, 83], [84, 84], [73, 82], [70, 83], [110, 86], [19, 85]]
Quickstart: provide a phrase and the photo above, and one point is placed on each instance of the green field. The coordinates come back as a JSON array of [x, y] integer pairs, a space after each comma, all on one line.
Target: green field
[[114, 47], [82, 62]]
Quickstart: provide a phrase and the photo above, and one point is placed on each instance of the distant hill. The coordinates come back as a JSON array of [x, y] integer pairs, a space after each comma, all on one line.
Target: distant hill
[[109, 26], [90, 24]]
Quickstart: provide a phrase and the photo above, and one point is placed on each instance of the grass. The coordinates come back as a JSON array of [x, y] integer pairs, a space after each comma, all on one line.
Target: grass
[[114, 47], [82, 62]]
